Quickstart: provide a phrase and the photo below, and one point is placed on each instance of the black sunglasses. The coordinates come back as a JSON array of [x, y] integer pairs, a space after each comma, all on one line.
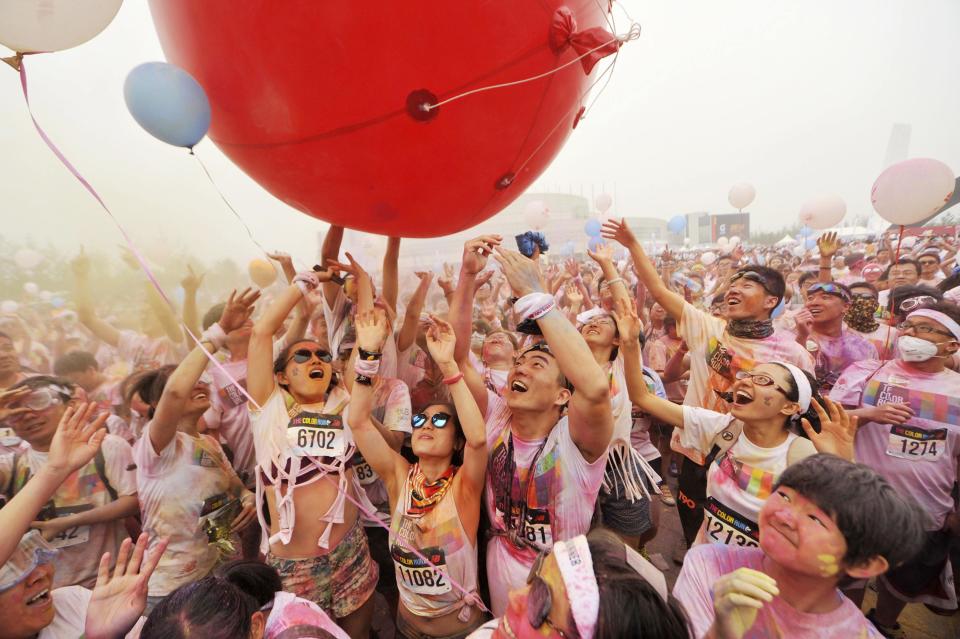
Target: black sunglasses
[[439, 420], [539, 599], [752, 276], [303, 355]]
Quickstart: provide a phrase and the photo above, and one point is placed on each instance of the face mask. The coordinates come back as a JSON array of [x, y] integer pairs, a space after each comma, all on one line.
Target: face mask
[[914, 349]]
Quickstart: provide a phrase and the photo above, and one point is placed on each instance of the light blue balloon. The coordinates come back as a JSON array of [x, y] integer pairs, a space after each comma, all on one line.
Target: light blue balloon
[[168, 103], [677, 223], [806, 231], [810, 244], [592, 227], [594, 243], [778, 311], [57, 302]]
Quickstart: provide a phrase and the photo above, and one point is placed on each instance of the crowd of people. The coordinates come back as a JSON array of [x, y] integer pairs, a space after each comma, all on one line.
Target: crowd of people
[[490, 455]]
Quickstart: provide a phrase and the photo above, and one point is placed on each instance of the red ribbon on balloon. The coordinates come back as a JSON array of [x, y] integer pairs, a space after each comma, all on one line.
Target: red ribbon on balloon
[[592, 44]]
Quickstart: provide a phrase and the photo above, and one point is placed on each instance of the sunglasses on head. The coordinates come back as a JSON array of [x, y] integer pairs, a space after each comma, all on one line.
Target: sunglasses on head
[[830, 288], [752, 276], [540, 601], [913, 303], [439, 420], [303, 355]]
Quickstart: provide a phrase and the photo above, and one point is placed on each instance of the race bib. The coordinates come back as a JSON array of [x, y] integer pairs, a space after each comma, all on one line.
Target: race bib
[[724, 525], [365, 474], [8, 437], [315, 435], [72, 536], [536, 529], [232, 396], [420, 577], [917, 444]]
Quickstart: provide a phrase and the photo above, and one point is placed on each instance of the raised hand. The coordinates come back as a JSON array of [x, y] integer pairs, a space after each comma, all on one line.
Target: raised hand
[[476, 252], [80, 265], [424, 276], [441, 341], [8, 397], [191, 281], [248, 512], [829, 244], [521, 272], [603, 254], [574, 296], [837, 430], [628, 322], [618, 231], [445, 281], [483, 278], [891, 414], [572, 268], [352, 267], [117, 602], [285, 262], [238, 309], [77, 438], [737, 598], [804, 320], [372, 330]]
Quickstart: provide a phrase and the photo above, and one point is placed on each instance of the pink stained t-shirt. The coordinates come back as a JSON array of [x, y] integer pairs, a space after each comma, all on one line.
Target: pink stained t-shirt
[[833, 354], [563, 494], [176, 487], [147, 353], [229, 417], [920, 458], [716, 357], [292, 616], [703, 565]]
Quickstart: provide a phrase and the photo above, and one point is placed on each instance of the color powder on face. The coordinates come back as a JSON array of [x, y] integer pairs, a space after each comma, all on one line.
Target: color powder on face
[[828, 565]]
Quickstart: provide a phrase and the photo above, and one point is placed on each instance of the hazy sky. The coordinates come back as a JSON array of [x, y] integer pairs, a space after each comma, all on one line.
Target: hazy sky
[[796, 97]]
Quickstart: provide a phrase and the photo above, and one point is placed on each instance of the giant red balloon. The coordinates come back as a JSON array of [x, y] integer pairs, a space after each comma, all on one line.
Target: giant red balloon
[[311, 97]]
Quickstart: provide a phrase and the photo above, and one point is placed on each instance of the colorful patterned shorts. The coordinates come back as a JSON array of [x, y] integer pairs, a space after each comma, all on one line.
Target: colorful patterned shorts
[[339, 582]]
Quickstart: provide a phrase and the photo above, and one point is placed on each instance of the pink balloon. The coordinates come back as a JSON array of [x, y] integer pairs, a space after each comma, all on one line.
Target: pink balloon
[[823, 212], [604, 202], [911, 191], [741, 195]]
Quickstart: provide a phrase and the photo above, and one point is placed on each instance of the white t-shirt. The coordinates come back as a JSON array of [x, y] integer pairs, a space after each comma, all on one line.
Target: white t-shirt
[[562, 494], [228, 415], [187, 479], [147, 353], [738, 481], [82, 547]]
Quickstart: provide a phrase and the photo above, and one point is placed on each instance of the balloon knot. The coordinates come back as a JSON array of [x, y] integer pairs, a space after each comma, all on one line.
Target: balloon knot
[[15, 61]]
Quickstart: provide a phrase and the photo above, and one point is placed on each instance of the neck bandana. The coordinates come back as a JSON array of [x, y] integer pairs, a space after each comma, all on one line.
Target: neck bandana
[[425, 495], [750, 329]]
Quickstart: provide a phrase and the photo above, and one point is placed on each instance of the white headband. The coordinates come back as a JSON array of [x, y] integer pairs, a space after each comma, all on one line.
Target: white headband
[[941, 318], [803, 385], [590, 314], [576, 568]]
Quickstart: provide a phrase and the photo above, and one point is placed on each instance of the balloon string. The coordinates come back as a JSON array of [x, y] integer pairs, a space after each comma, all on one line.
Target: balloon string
[[471, 597], [123, 231], [632, 34], [896, 257], [227, 202]]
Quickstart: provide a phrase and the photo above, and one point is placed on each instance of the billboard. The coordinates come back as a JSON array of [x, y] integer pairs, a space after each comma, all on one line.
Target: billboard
[[730, 224]]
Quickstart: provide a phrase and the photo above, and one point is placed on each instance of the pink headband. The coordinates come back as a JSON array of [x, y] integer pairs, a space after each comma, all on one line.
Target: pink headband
[[576, 568], [939, 317]]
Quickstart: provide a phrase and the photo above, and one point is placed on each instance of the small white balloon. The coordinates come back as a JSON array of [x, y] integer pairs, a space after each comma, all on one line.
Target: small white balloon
[[38, 26], [723, 241], [741, 195], [30, 288], [708, 258], [27, 258], [604, 202], [823, 212], [735, 240], [46, 296]]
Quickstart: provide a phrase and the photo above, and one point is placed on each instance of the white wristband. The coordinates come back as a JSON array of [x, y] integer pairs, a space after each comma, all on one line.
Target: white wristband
[[215, 335], [306, 282], [533, 306]]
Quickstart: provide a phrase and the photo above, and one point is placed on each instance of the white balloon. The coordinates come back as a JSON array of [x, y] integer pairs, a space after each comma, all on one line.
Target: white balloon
[[741, 195], [27, 258], [911, 191], [735, 240], [823, 212], [30, 288], [604, 202], [708, 258], [8, 307], [46, 296], [31, 26], [723, 241]]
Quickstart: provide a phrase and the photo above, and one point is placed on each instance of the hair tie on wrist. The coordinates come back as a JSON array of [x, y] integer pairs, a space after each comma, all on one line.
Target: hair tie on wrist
[[450, 381]]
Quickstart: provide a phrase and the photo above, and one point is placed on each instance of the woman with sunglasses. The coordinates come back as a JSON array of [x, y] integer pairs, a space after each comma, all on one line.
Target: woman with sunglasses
[[303, 442], [435, 503], [748, 448], [590, 587], [189, 492]]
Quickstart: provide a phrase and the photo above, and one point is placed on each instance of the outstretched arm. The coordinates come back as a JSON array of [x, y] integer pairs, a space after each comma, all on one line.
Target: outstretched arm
[[628, 325], [411, 317], [391, 274], [646, 271], [179, 386], [331, 251], [591, 419], [191, 318], [80, 265]]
